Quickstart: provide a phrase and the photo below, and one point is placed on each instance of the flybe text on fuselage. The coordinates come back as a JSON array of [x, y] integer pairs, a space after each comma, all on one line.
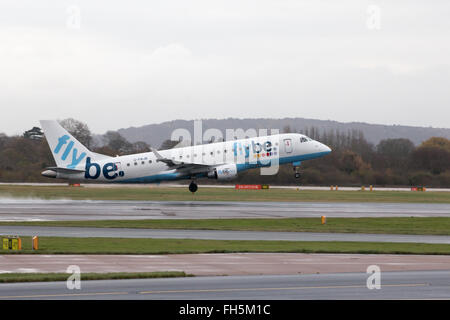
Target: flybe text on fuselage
[[257, 148], [109, 170]]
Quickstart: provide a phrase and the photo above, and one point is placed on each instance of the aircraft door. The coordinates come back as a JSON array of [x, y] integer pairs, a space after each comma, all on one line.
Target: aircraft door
[[288, 145]]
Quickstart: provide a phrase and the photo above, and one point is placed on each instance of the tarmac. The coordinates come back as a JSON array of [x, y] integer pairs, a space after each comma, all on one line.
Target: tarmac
[[225, 264], [29, 209], [393, 285]]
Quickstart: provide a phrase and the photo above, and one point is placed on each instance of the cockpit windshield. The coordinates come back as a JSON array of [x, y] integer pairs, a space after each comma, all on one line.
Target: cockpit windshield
[[304, 139]]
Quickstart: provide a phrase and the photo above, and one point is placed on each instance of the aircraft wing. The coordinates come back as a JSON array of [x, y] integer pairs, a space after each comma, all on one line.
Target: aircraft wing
[[185, 167]]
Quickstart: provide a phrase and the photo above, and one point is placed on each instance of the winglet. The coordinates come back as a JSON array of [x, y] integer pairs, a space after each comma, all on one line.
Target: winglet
[[157, 154], [160, 158]]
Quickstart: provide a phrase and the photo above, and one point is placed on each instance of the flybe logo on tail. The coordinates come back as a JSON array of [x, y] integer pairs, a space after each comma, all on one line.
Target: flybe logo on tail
[[75, 158]]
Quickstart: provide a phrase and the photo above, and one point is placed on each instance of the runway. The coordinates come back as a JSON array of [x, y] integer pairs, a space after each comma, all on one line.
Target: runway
[[394, 285], [86, 232], [214, 264], [16, 209]]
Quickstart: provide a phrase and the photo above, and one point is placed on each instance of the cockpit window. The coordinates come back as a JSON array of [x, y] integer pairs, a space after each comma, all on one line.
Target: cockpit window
[[303, 139]]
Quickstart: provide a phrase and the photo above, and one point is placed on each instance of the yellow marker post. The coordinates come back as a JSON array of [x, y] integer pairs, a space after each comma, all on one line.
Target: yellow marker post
[[331, 188], [324, 219], [371, 188], [363, 188], [336, 188], [35, 243]]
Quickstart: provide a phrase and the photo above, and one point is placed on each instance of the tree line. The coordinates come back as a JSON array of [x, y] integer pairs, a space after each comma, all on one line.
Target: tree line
[[353, 162]]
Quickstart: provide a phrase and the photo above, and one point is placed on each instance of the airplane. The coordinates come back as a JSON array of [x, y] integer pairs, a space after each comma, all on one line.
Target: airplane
[[220, 160]]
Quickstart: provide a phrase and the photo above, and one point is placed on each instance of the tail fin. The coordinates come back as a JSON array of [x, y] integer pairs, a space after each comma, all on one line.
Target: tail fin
[[67, 151]]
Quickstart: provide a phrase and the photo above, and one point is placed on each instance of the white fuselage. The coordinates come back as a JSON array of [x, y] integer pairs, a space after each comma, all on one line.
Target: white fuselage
[[244, 154]]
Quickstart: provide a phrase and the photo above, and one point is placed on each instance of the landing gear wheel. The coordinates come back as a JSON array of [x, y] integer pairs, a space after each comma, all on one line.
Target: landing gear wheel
[[193, 187], [297, 173]]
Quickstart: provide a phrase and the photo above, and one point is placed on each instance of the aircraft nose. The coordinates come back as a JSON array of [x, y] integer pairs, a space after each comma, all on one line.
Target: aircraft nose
[[326, 148]]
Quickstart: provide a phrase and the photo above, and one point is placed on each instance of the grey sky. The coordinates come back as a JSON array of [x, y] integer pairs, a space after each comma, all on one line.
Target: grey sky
[[132, 63]]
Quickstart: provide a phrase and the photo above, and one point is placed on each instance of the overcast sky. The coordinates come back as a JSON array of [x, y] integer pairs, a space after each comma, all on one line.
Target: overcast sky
[[115, 64]]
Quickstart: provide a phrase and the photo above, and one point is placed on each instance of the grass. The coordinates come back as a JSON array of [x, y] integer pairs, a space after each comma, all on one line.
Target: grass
[[41, 277], [402, 225], [219, 194], [57, 245]]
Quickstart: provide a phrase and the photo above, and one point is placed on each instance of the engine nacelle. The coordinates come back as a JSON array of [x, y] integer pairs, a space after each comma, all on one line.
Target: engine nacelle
[[223, 172]]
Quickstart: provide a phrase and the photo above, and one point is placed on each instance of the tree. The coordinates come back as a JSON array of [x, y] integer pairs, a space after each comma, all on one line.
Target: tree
[[395, 152], [34, 134], [351, 162], [116, 142], [79, 130], [437, 142], [140, 147], [287, 129], [432, 157]]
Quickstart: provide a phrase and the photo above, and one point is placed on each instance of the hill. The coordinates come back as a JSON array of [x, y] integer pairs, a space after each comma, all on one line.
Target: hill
[[155, 134]]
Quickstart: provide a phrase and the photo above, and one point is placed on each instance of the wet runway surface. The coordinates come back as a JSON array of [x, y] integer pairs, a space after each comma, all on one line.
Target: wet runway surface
[[41, 210], [211, 264], [394, 285], [87, 232]]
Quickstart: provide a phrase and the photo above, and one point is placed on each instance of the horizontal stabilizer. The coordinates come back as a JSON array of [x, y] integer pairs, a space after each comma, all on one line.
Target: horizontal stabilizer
[[65, 170], [59, 172]]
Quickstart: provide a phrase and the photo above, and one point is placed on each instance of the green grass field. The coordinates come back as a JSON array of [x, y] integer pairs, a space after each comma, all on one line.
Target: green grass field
[[57, 245], [218, 194], [419, 225], [41, 277]]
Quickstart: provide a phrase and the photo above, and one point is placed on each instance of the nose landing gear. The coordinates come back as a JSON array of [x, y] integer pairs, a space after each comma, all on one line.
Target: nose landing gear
[[297, 173], [297, 169]]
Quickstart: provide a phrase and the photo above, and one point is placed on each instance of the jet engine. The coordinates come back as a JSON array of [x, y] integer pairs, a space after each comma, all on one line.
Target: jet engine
[[223, 172]]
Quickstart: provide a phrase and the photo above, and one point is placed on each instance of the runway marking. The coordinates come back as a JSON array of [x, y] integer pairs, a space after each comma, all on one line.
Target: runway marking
[[204, 290], [285, 288], [62, 295]]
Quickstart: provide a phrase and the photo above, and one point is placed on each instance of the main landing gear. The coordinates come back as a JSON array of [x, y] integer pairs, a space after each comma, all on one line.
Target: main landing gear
[[193, 187], [296, 166]]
